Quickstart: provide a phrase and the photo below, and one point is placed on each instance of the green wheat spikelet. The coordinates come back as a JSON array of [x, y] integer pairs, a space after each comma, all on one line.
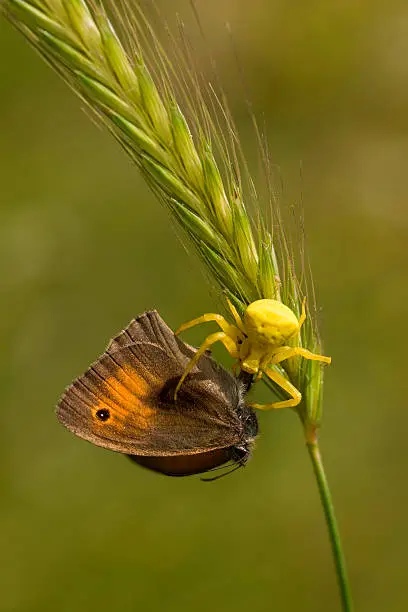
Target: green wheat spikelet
[[188, 164]]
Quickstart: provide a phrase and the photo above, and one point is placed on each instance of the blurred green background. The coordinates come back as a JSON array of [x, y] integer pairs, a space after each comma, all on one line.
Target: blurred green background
[[84, 247]]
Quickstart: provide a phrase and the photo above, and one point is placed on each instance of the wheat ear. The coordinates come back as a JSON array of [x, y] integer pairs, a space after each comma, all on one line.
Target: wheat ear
[[178, 159]]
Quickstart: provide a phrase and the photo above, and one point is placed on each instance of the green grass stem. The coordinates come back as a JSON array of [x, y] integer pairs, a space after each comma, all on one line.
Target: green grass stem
[[332, 526]]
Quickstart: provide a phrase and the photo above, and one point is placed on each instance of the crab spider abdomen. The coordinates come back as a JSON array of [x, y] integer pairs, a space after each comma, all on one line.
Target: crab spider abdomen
[[269, 324]]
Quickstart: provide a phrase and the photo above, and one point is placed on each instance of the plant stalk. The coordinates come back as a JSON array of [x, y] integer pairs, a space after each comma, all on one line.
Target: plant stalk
[[332, 526]]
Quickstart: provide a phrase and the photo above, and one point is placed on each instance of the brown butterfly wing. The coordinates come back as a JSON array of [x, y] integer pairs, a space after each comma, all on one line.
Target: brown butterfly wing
[[133, 383]]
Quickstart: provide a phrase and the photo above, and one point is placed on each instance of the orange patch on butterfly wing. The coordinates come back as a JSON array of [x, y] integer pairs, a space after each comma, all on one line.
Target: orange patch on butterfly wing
[[125, 394]]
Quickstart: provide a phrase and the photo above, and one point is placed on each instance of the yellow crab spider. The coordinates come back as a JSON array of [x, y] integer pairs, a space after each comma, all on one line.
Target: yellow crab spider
[[258, 342]]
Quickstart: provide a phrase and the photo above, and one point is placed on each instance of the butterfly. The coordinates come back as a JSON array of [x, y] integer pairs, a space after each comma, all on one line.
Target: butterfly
[[126, 402]]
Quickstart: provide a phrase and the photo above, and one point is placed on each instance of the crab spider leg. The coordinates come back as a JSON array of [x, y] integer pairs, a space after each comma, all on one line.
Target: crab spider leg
[[302, 317], [287, 386], [286, 352], [227, 328], [237, 318], [209, 341]]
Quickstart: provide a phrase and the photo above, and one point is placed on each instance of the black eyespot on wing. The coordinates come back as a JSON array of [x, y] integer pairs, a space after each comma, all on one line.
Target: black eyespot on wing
[[102, 414]]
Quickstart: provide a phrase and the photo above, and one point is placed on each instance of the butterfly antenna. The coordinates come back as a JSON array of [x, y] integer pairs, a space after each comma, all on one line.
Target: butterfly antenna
[[222, 467], [234, 469]]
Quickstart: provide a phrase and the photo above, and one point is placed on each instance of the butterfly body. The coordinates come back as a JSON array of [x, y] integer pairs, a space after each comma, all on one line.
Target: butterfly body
[[125, 402]]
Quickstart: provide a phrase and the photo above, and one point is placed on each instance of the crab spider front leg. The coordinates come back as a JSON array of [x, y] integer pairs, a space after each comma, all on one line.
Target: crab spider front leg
[[227, 341], [281, 354], [287, 386], [302, 317], [226, 327], [230, 336], [286, 352], [236, 317]]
